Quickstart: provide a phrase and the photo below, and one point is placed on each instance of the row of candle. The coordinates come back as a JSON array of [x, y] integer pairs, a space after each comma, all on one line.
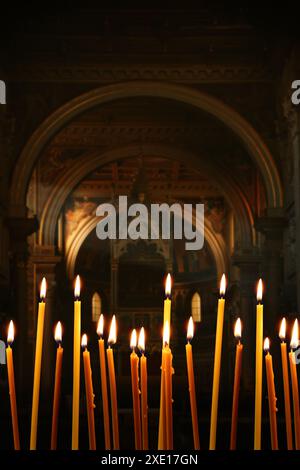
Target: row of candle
[[165, 436]]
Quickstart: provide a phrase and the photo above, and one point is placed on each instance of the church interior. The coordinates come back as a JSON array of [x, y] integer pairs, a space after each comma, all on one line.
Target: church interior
[[163, 105]]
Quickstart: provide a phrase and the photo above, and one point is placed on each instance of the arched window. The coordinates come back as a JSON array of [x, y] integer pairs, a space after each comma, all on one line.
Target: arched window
[[196, 307], [96, 307]]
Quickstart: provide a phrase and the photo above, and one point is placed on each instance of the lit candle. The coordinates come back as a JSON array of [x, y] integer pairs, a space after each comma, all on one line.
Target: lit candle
[[103, 383], [295, 389], [168, 371], [11, 385], [134, 367], [167, 317], [271, 395], [191, 381], [286, 386], [112, 338], [237, 381], [217, 366], [144, 389], [57, 385], [76, 365], [37, 366], [89, 392], [258, 367]]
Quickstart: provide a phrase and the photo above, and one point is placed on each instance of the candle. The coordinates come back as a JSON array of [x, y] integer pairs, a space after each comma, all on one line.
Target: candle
[[295, 389], [286, 386], [76, 365], [271, 395], [57, 385], [134, 367], [103, 383], [191, 381], [112, 383], [258, 367], [89, 392], [168, 386], [37, 366], [11, 385], [167, 317], [236, 385], [217, 366], [162, 442], [144, 389]]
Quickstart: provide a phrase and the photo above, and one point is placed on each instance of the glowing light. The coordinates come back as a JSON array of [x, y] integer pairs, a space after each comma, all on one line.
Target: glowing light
[[238, 328], [190, 329], [259, 291], [112, 338], [166, 334], [223, 285], [141, 342], [43, 289], [295, 335], [266, 345], [168, 286], [84, 341], [77, 287], [133, 339], [11, 332], [58, 332], [100, 326], [282, 330]]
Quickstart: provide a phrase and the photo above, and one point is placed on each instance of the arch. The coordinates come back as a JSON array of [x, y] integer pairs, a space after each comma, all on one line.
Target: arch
[[215, 241], [96, 307], [196, 307], [227, 186], [231, 118]]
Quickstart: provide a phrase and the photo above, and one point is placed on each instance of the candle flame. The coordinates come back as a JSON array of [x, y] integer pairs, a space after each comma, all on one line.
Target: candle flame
[[223, 285], [166, 334], [168, 285], [259, 291], [295, 335], [84, 341], [43, 289], [141, 342], [11, 332], [238, 328], [266, 345], [100, 326], [282, 330], [77, 287], [133, 339], [190, 329], [112, 338], [58, 332]]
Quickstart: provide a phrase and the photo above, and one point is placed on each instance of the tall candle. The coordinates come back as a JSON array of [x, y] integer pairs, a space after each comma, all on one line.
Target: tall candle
[[168, 386], [167, 317], [144, 390], [162, 441], [258, 367], [76, 366], [89, 392], [217, 366], [134, 367], [295, 388], [271, 395], [191, 382], [236, 385], [286, 386], [11, 385], [37, 366], [112, 383], [57, 385], [103, 383]]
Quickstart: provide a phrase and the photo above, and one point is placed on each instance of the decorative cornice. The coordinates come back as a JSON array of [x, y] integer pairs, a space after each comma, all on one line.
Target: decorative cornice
[[107, 73]]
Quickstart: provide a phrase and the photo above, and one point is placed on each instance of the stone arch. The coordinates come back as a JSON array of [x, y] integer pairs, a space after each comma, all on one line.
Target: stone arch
[[231, 118]]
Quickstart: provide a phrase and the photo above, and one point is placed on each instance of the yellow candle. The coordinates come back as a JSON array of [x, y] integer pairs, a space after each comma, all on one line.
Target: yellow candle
[[236, 386], [168, 387], [57, 385], [295, 388], [191, 380], [144, 390], [167, 317], [258, 367], [134, 367], [103, 383], [76, 365], [11, 384], [37, 366], [112, 383], [89, 393], [271, 395], [286, 386], [217, 366]]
